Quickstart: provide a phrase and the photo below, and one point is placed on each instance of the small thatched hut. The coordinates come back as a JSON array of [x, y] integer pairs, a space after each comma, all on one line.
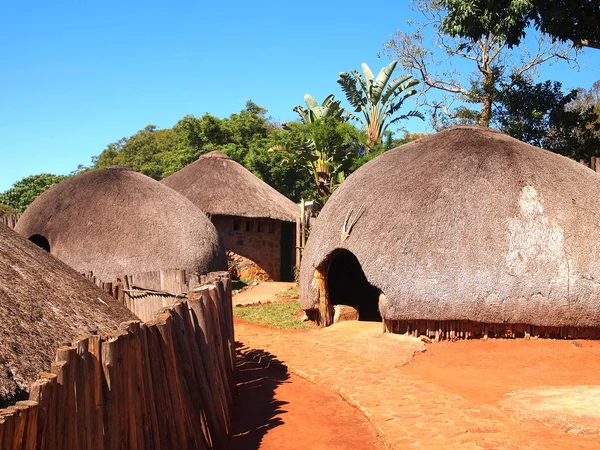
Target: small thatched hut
[[255, 222], [464, 233], [43, 304], [117, 222]]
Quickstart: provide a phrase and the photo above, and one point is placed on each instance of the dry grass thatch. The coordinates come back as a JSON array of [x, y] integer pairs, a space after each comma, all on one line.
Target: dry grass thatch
[[43, 304], [221, 186], [115, 221], [470, 224]]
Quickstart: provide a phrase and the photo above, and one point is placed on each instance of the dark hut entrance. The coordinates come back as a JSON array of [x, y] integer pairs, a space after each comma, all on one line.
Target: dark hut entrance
[[40, 241], [288, 241], [346, 284]]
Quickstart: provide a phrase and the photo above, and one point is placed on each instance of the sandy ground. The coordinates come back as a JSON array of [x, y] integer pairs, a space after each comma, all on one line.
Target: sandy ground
[[553, 382], [509, 394]]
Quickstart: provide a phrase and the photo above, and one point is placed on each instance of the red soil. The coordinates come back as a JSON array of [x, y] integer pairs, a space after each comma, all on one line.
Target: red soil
[[483, 371], [277, 410]]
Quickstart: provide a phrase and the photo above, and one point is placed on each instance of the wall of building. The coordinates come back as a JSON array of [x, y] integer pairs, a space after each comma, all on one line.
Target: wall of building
[[253, 245]]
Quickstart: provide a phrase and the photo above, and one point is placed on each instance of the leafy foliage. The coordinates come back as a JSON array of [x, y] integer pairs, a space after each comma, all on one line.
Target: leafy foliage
[[377, 99], [542, 115], [245, 137], [432, 54], [323, 150], [314, 112], [25, 191], [573, 20]]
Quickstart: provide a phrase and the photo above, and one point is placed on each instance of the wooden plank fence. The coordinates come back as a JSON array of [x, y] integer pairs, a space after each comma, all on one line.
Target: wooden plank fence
[[10, 221], [167, 383], [148, 292]]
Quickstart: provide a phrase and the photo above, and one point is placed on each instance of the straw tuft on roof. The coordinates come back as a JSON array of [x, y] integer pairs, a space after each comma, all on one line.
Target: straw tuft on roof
[[469, 224], [220, 186], [43, 304], [116, 221]]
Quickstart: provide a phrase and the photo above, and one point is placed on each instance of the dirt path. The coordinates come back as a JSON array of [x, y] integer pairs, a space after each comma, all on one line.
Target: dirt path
[[506, 394], [444, 405], [265, 291], [276, 410]]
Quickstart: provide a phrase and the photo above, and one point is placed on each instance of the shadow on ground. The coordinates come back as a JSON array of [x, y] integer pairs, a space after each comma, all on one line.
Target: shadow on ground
[[256, 410]]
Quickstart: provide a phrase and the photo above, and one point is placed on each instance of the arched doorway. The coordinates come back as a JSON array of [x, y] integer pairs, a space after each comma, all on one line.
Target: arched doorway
[[40, 241], [347, 284]]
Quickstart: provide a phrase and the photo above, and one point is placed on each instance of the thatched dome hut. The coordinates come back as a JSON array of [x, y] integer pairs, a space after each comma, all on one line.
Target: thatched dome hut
[[256, 223], [116, 222], [467, 231], [43, 304]]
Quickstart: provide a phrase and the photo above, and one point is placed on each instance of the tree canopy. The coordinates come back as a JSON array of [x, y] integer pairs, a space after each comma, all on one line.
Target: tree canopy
[[541, 114], [23, 192], [565, 20], [377, 99], [457, 96]]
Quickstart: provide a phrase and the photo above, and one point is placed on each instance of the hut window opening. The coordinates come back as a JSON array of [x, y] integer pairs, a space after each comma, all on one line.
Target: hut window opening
[[40, 241], [237, 224], [347, 284], [260, 227], [271, 227], [249, 226]]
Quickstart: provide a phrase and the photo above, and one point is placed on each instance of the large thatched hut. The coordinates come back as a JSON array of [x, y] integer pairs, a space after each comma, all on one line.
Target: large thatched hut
[[255, 222], [43, 304], [464, 233], [117, 222]]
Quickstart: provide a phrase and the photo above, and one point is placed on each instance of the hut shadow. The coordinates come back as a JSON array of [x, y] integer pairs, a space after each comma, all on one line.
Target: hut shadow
[[256, 409]]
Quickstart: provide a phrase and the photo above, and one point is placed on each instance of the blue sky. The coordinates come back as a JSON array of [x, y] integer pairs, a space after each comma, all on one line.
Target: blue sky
[[78, 75]]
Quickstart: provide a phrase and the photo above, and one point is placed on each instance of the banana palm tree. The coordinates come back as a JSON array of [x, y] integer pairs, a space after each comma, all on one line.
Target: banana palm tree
[[378, 99], [329, 108]]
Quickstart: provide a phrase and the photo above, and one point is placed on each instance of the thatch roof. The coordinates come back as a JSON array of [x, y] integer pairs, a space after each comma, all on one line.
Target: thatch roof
[[43, 304], [470, 224], [221, 186], [116, 221]]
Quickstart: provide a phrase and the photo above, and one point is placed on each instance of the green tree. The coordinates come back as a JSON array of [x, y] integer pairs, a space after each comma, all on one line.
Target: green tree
[[245, 137], [25, 191], [433, 55], [147, 152], [276, 169], [573, 20], [160, 152], [542, 115], [329, 108], [377, 99], [323, 149]]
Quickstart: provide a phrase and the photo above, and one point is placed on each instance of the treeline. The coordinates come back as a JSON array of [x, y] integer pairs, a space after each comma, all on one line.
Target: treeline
[[249, 137], [245, 137]]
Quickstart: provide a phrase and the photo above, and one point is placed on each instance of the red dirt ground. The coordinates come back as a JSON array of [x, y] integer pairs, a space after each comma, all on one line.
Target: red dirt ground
[[313, 418], [483, 371]]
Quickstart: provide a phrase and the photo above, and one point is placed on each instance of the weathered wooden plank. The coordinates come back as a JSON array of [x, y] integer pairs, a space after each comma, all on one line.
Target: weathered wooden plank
[[30, 412], [96, 404], [150, 421], [43, 391]]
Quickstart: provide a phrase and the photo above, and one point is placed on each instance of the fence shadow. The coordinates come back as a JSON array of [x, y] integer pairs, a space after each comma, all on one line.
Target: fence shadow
[[256, 410]]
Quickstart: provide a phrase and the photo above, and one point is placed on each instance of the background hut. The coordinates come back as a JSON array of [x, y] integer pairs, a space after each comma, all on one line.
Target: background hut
[[466, 232], [43, 304], [117, 222], [255, 222]]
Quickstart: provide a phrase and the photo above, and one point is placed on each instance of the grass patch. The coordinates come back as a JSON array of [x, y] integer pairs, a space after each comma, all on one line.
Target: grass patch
[[277, 315], [236, 285], [290, 293]]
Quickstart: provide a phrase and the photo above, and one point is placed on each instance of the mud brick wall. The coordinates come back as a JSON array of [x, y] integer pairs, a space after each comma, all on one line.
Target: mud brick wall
[[254, 245]]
